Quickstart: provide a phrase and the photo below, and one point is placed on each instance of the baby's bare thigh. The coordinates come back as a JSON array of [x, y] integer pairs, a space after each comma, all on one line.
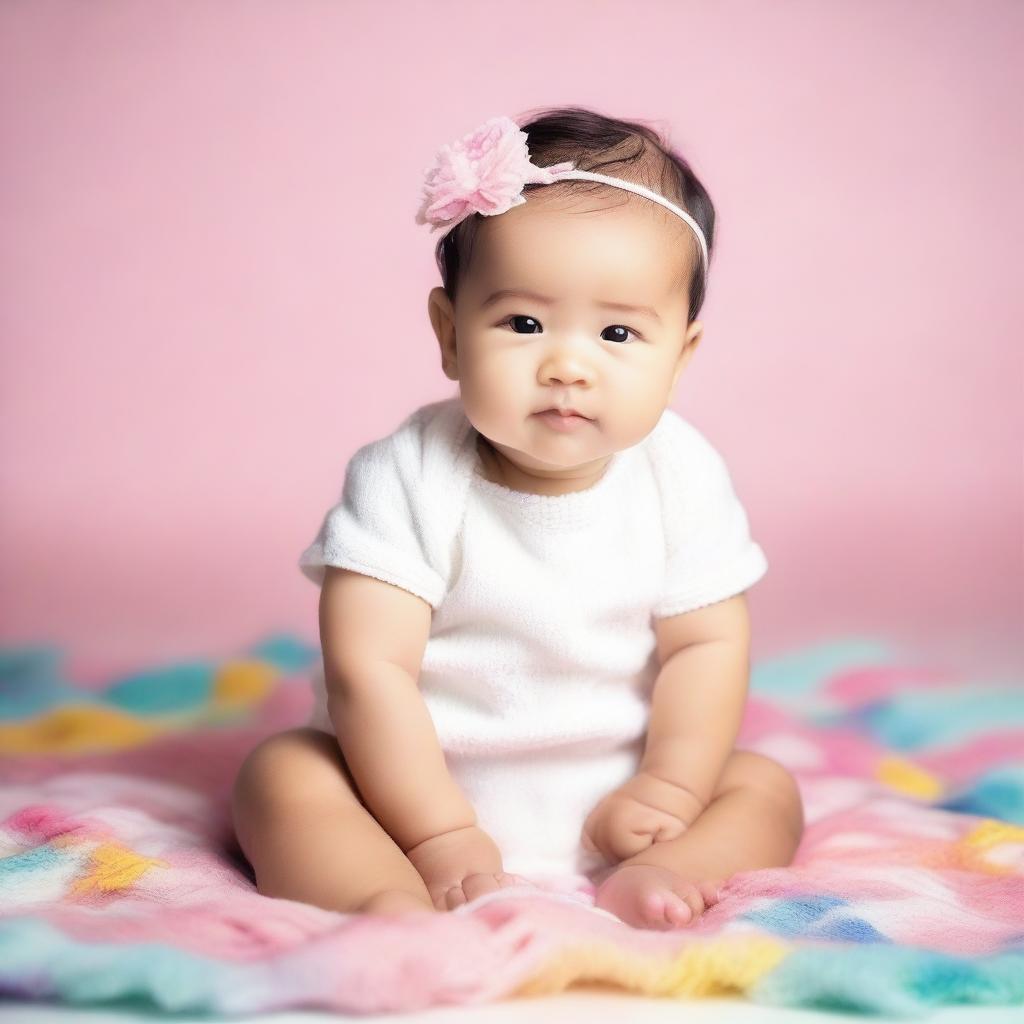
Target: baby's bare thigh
[[303, 764], [305, 830]]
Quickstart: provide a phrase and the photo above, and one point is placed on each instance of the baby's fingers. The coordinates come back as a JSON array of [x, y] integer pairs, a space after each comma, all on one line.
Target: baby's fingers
[[671, 828]]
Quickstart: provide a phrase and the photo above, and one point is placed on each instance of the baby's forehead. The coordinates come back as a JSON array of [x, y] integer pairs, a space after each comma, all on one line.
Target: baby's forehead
[[568, 247]]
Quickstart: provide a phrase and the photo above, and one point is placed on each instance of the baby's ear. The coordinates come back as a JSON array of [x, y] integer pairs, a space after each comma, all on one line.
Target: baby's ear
[[439, 307], [691, 340], [442, 319]]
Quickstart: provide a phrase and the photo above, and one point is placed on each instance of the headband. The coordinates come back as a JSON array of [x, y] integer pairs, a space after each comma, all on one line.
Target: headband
[[484, 172]]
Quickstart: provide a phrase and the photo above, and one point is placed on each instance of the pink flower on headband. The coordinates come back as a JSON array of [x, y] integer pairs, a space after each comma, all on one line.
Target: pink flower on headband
[[483, 172]]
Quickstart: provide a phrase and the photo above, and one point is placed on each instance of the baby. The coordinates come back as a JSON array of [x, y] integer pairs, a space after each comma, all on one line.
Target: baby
[[533, 624]]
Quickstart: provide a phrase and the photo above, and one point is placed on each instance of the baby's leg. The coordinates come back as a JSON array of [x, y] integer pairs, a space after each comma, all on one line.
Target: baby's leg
[[754, 820], [307, 834]]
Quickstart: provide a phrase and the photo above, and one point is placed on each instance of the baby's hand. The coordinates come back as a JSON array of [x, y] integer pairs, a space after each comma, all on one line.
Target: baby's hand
[[459, 866], [642, 811]]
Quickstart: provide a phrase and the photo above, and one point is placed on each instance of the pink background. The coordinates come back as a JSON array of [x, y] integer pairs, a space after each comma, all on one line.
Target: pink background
[[212, 291]]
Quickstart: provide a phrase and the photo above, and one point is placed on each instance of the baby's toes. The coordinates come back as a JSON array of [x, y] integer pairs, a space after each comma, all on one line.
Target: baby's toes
[[505, 880], [709, 892], [662, 908], [678, 911], [478, 884], [684, 901], [454, 897]]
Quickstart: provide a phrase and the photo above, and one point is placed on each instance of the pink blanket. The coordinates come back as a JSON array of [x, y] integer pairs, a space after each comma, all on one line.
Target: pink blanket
[[119, 876]]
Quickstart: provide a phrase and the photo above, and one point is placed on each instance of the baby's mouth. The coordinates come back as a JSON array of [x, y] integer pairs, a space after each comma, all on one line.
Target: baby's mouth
[[567, 412]]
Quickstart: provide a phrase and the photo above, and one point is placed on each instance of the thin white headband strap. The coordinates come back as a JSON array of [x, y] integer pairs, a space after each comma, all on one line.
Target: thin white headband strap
[[641, 190]]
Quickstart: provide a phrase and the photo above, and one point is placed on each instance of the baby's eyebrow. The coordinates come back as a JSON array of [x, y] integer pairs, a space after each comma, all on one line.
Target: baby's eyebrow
[[522, 293]]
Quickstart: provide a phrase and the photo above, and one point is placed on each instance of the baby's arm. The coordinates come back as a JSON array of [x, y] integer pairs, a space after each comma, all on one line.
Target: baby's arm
[[373, 636], [699, 696], [696, 711]]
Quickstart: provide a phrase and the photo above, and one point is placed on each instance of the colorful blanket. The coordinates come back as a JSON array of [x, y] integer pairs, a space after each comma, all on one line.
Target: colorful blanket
[[120, 878]]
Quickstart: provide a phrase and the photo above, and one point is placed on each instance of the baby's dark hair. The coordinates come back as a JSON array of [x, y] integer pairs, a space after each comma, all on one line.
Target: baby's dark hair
[[606, 145]]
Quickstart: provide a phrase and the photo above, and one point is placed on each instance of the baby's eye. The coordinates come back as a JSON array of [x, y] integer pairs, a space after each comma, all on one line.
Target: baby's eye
[[519, 316], [620, 327]]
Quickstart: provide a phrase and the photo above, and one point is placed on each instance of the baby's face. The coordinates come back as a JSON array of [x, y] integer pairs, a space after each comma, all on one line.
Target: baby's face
[[514, 355]]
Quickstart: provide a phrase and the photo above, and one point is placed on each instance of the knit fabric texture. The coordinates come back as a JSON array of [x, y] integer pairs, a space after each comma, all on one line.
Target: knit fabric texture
[[542, 652]]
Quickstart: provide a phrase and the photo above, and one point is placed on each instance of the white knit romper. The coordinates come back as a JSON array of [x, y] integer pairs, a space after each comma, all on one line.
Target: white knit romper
[[542, 654]]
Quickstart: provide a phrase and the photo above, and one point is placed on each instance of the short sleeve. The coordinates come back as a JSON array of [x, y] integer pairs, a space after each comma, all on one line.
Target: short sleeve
[[710, 554], [380, 526]]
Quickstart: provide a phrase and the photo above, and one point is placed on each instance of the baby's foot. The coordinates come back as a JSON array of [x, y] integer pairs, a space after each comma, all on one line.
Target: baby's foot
[[648, 896]]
